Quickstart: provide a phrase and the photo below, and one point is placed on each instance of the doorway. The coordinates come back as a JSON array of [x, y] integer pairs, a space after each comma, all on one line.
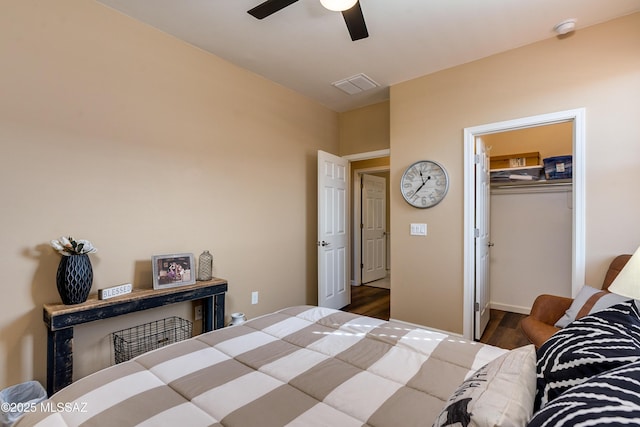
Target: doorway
[[373, 229], [530, 219], [577, 117], [378, 169], [333, 181]]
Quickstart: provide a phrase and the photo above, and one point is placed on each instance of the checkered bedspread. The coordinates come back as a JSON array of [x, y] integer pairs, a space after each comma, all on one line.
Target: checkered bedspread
[[302, 366]]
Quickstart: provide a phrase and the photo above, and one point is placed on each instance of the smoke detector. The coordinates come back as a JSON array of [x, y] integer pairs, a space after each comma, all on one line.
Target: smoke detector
[[565, 27]]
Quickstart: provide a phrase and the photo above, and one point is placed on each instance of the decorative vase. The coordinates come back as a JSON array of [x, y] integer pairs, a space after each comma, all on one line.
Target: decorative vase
[[237, 318], [205, 266], [74, 278]]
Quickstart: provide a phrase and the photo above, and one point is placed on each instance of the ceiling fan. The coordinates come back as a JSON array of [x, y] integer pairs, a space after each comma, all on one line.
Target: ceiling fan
[[351, 12]]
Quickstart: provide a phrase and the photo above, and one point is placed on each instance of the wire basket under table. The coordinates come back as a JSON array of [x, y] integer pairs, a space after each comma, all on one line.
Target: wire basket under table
[[131, 342]]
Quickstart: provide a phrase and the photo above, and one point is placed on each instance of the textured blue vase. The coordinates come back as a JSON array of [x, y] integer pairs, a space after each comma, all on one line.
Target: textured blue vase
[[74, 278]]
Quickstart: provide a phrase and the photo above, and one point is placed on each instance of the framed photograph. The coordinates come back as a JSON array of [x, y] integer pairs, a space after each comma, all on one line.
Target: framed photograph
[[173, 270]]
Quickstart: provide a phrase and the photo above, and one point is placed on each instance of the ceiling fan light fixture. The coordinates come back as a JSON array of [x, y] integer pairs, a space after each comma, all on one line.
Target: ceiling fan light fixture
[[338, 5]]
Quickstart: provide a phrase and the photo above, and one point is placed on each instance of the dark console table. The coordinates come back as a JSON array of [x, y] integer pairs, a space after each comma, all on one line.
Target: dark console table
[[61, 319]]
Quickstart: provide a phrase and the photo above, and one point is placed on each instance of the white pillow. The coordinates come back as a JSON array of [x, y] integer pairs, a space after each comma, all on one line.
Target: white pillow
[[501, 393], [583, 296]]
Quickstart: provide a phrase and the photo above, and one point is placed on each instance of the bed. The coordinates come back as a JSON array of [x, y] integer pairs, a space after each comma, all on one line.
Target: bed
[[305, 366]]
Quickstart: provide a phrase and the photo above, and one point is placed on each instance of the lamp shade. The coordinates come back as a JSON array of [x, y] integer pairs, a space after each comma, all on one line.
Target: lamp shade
[[338, 5], [627, 283]]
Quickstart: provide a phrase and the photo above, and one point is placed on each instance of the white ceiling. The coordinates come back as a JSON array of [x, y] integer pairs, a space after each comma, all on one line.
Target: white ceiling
[[306, 47]]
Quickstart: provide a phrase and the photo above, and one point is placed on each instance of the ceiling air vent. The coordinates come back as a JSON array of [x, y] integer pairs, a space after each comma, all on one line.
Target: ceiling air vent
[[355, 84]]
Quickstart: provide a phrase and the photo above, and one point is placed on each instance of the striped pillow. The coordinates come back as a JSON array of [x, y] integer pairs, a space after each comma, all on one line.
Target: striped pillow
[[587, 347], [610, 399]]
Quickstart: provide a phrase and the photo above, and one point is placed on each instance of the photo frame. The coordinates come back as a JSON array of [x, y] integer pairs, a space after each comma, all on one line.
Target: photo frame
[[173, 270]]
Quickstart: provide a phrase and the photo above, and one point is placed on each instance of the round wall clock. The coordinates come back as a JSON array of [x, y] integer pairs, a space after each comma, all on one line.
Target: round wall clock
[[424, 184]]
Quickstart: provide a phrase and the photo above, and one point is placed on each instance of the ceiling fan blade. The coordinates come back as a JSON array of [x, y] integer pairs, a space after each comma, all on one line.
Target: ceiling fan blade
[[355, 22], [269, 7]]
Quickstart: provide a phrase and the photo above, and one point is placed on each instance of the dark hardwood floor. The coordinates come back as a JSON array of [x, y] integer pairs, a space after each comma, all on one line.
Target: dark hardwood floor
[[370, 301], [502, 331]]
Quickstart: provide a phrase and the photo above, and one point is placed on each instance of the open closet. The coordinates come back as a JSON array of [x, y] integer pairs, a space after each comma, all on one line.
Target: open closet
[[531, 217]]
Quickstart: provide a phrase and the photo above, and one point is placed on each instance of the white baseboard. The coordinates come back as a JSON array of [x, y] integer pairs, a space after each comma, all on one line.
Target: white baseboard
[[511, 308]]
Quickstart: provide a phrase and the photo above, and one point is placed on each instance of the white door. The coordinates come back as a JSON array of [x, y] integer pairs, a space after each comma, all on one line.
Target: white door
[[374, 245], [482, 243], [333, 285]]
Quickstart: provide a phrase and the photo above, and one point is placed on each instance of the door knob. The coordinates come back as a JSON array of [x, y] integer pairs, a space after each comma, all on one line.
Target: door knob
[[323, 243], [490, 244]]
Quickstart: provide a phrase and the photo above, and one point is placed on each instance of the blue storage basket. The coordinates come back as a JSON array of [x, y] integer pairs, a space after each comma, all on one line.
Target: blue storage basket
[[558, 167]]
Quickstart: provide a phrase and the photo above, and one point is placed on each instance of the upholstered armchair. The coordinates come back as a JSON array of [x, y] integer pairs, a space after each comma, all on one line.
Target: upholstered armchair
[[548, 309]]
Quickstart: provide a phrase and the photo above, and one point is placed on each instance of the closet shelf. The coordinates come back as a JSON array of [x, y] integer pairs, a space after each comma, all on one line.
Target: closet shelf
[[541, 186]]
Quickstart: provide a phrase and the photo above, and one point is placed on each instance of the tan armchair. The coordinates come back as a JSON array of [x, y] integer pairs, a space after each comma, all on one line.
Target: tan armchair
[[548, 309]]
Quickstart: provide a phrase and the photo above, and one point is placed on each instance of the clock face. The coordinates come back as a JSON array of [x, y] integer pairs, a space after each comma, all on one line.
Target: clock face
[[424, 184]]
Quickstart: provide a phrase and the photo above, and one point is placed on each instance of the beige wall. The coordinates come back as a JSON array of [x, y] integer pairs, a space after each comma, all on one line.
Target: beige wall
[[375, 163], [549, 140], [117, 133], [120, 134], [597, 68], [364, 129]]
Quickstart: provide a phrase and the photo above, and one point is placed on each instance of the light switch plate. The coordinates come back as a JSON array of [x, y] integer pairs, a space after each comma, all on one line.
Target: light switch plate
[[418, 229]]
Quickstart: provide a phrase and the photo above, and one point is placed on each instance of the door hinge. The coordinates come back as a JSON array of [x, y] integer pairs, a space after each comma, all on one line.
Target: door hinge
[[477, 306], [476, 232], [476, 159]]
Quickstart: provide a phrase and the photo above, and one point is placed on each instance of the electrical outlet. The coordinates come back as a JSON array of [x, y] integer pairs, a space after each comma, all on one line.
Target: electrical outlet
[[254, 297], [198, 313]]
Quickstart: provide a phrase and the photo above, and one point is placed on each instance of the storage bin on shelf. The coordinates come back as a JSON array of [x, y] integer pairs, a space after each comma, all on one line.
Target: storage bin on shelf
[[131, 342], [528, 173], [517, 160], [558, 167]]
